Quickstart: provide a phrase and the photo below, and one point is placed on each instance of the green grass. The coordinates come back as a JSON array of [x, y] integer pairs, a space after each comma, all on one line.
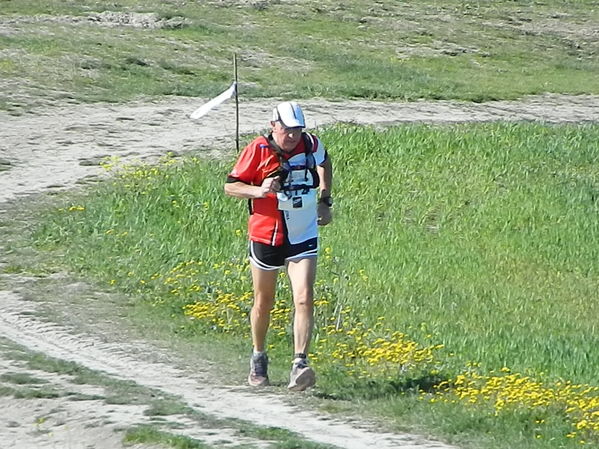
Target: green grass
[[472, 241], [166, 407], [21, 379], [126, 392], [147, 434], [391, 50], [36, 393], [277, 439], [6, 391], [480, 230]]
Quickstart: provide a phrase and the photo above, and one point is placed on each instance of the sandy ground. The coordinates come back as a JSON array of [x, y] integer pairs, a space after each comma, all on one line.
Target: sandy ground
[[56, 147], [59, 147]]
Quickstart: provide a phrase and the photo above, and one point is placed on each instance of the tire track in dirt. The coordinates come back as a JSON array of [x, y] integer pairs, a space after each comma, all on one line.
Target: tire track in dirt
[[126, 361]]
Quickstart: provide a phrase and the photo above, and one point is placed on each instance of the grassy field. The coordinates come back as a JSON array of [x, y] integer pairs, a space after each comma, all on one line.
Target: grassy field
[[473, 306], [474, 50], [472, 314]]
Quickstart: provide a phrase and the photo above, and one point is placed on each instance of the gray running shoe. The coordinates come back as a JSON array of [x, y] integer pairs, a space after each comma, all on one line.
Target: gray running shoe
[[302, 376], [258, 376]]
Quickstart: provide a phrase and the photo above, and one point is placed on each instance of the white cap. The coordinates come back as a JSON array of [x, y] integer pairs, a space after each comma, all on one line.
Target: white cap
[[289, 114]]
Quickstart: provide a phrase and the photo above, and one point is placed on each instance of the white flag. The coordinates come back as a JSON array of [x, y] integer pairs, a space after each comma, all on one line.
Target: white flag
[[220, 99]]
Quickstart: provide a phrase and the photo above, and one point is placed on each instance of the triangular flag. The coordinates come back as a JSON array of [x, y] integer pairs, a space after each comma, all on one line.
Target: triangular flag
[[220, 99]]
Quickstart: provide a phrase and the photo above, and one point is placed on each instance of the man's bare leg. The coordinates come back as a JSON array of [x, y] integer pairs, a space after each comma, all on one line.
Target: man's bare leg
[[264, 295], [302, 274], [265, 283]]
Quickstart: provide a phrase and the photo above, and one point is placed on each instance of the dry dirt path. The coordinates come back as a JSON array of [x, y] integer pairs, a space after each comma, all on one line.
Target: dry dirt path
[[58, 147]]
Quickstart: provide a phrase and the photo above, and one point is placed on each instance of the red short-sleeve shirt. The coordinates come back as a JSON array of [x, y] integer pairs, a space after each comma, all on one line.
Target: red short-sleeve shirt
[[267, 224]]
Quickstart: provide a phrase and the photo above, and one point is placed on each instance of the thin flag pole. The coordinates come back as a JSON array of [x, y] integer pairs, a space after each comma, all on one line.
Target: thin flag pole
[[236, 103]]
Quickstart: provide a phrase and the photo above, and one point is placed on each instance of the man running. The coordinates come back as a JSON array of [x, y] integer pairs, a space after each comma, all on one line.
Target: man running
[[287, 178]]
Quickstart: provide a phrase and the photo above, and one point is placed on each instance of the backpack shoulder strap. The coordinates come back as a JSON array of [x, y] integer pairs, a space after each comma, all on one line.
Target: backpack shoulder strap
[[309, 149]]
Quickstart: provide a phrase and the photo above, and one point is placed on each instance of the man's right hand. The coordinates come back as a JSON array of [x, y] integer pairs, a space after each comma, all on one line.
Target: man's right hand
[[269, 185]]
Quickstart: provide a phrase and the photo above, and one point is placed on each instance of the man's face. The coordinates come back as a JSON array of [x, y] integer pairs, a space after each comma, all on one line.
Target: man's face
[[286, 138]]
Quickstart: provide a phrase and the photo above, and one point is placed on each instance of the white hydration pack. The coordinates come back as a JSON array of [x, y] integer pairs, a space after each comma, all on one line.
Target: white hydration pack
[[298, 177]]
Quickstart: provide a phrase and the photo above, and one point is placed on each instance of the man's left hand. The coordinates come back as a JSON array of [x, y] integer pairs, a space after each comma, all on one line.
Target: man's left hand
[[324, 214]]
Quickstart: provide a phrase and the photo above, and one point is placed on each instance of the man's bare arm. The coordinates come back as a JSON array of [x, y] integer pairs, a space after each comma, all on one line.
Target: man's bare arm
[[240, 189]]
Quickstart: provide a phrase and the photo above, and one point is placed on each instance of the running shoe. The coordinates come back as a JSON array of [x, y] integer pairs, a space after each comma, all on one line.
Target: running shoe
[[302, 376], [258, 376]]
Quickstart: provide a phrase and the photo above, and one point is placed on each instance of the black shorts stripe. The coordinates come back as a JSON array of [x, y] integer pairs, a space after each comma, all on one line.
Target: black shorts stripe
[[303, 255], [255, 258]]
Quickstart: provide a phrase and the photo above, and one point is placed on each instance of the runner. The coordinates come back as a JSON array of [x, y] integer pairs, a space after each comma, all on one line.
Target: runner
[[282, 174]]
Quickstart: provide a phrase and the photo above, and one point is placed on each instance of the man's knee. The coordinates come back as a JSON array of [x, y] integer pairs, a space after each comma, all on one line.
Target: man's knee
[[263, 304], [304, 299]]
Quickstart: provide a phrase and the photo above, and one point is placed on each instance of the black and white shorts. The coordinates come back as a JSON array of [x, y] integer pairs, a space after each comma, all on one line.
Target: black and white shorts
[[268, 257]]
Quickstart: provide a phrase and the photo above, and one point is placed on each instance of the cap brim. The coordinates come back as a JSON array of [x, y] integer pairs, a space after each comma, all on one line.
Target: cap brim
[[292, 124], [290, 115]]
